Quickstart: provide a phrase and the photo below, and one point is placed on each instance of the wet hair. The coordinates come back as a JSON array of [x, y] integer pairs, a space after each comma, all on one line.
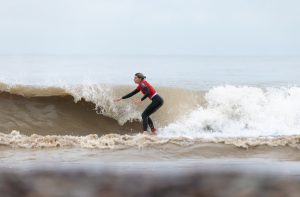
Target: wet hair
[[140, 75]]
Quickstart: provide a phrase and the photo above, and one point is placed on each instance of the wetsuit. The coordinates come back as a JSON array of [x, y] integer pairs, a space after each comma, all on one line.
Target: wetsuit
[[156, 103]]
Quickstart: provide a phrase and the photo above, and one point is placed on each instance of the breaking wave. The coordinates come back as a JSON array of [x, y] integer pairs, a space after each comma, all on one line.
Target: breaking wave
[[86, 116]]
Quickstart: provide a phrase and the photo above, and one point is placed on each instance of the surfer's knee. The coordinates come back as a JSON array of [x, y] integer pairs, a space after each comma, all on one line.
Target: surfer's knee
[[144, 115]]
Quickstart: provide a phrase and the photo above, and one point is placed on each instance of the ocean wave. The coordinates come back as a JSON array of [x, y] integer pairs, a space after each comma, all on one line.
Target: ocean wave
[[223, 111], [85, 108]]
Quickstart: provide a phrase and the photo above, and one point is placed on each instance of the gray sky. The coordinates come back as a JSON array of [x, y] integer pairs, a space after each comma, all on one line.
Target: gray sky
[[155, 27]]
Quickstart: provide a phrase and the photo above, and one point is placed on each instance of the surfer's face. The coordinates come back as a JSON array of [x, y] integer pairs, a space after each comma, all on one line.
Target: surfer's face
[[137, 80]]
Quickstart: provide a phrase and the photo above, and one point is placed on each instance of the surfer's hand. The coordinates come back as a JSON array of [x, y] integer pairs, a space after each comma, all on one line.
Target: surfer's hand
[[117, 100]]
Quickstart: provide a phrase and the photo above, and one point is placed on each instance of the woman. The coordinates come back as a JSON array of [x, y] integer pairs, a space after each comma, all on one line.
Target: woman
[[149, 92]]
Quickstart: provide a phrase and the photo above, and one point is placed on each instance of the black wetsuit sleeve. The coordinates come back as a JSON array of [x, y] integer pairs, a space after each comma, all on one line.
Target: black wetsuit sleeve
[[131, 94], [147, 93]]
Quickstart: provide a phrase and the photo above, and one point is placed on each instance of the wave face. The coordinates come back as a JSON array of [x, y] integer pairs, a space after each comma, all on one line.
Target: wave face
[[86, 116], [84, 109]]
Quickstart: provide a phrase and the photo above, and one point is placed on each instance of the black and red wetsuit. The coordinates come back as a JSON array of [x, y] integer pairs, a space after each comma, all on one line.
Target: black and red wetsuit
[[156, 103]]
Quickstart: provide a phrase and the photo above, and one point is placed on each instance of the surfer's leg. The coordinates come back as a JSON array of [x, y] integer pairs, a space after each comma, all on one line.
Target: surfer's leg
[[145, 116], [150, 123], [153, 107]]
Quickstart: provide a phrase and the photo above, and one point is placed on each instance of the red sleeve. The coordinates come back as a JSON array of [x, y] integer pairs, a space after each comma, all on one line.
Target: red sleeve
[[139, 87]]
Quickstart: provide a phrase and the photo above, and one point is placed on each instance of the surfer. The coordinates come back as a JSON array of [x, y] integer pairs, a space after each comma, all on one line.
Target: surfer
[[150, 92]]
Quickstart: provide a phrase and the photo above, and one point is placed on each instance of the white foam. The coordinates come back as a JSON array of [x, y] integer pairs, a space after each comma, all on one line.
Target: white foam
[[241, 111], [117, 141]]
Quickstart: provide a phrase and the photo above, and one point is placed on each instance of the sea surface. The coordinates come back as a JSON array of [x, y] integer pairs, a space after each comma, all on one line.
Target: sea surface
[[220, 113]]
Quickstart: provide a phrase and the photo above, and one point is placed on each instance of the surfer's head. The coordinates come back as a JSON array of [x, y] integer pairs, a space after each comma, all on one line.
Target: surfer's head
[[138, 77]]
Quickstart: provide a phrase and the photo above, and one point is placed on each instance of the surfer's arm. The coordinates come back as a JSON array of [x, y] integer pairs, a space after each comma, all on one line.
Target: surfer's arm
[[131, 94], [147, 93]]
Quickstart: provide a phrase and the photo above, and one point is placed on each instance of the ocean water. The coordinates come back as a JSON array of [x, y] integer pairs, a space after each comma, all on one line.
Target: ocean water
[[58, 111], [189, 72]]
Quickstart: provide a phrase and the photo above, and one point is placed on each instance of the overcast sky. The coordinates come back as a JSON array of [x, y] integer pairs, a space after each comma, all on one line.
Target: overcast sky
[[154, 27]]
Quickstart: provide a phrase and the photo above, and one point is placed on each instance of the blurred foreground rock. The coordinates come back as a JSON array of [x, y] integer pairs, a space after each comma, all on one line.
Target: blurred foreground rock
[[80, 183]]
